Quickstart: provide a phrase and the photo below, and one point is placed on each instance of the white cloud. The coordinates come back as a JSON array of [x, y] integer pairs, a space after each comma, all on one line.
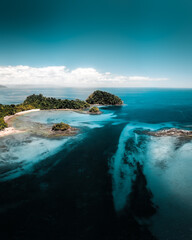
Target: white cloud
[[62, 76], [141, 78]]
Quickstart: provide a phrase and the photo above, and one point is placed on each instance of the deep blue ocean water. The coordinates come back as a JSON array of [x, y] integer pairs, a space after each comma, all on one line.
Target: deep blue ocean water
[[107, 182]]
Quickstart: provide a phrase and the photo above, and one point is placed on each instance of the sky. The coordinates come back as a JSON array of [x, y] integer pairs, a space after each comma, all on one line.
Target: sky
[[117, 43]]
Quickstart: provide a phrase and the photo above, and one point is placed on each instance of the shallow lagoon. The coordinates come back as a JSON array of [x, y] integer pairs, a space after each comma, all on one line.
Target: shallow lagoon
[[86, 181]]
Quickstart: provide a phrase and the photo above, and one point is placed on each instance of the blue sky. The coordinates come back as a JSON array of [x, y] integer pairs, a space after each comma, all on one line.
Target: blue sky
[[145, 38]]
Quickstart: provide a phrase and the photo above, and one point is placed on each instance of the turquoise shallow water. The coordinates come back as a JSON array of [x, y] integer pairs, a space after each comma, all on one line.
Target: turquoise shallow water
[[107, 182]]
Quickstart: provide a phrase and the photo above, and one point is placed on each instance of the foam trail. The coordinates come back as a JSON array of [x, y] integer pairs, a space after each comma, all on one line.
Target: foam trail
[[120, 186], [123, 164]]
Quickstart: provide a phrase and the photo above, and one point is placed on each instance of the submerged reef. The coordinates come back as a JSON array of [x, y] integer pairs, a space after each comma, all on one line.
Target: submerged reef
[[174, 132], [45, 130]]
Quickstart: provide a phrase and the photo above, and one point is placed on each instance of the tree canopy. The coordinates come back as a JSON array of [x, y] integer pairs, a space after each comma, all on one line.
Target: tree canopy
[[94, 110], [60, 126], [44, 103], [39, 101], [103, 98]]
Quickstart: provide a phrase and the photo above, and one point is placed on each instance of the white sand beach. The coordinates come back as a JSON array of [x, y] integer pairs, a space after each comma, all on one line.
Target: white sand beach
[[10, 129], [28, 111]]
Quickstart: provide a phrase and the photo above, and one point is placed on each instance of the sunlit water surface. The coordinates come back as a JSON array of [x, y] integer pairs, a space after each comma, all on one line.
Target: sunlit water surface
[[131, 160]]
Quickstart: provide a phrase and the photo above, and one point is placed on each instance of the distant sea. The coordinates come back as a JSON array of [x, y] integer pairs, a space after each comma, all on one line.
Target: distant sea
[[108, 182]]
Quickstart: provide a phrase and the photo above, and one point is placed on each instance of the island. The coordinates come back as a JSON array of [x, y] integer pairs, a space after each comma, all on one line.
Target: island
[[62, 129], [103, 98], [61, 126], [39, 102], [2, 86], [94, 110]]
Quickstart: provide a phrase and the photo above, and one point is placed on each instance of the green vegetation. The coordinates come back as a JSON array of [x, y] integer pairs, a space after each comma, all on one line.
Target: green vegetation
[[103, 98], [6, 110], [60, 127], [94, 110], [2, 124], [39, 101]]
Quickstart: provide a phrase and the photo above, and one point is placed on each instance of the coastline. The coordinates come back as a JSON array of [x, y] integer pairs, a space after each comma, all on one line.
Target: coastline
[[77, 105], [8, 119], [11, 130]]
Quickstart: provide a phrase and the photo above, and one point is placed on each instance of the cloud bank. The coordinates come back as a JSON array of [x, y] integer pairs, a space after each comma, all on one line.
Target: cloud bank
[[79, 77]]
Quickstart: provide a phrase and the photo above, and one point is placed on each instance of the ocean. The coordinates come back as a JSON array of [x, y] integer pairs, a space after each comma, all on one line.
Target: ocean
[[107, 182]]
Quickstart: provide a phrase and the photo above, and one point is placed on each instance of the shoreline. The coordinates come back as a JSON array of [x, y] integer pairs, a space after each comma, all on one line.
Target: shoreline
[[8, 118], [10, 129]]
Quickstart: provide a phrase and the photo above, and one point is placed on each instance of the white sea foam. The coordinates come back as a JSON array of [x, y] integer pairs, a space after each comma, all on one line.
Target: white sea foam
[[168, 171], [22, 153], [121, 187], [170, 166], [123, 163], [180, 174], [161, 150]]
